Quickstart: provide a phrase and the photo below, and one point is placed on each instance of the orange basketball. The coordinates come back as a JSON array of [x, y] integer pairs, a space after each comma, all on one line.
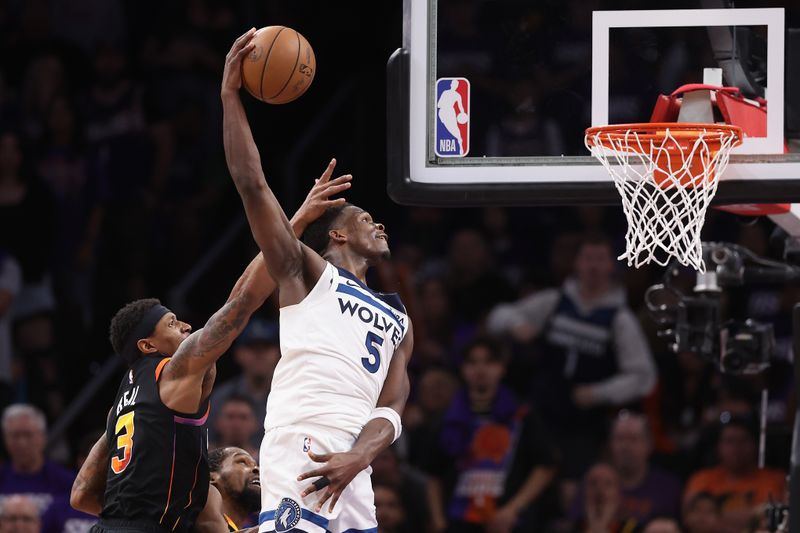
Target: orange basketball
[[281, 66]]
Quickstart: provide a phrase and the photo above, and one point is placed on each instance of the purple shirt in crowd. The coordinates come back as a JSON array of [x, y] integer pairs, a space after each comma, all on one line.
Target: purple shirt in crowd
[[49, 488], [659, 494]]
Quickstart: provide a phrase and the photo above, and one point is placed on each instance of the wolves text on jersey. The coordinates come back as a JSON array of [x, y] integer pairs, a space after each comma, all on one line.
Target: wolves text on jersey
[[386, 327]]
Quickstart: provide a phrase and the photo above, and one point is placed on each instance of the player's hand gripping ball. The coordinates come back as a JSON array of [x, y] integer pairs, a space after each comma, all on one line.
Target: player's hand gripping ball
[[280, 67]]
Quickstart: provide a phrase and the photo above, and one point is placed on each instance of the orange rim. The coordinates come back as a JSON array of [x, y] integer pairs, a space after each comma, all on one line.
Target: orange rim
[[640, 138], [656, 131]]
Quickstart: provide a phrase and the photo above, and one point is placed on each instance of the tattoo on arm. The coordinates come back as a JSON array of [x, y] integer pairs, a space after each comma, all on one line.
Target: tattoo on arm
[[203, 347]]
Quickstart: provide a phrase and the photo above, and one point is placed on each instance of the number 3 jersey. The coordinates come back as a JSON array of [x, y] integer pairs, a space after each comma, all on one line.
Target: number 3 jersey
[[336, 347], [157, 469]]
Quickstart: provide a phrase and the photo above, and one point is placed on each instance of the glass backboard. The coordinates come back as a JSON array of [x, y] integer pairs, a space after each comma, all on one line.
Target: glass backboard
[[489, 99]]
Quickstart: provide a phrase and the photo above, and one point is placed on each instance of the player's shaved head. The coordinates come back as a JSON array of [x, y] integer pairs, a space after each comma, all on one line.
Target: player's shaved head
[[317, 234]]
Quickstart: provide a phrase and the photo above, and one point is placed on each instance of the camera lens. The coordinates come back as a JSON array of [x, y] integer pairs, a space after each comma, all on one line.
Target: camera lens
[[733, 361]]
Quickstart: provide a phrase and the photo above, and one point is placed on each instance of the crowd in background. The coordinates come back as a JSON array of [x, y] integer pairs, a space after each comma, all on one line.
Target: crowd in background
[[541, 394]]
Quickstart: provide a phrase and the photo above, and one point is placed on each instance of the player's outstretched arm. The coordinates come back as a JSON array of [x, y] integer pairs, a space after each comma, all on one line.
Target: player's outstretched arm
[[89, 487], [340, 468], [210, 519], [179, 382], [291, 265]]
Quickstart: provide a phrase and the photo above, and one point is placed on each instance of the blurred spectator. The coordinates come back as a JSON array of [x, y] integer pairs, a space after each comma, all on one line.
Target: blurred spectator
[[236, 425], [411, 485], [474, 283], [701, 513], [731, 397], [63, 167], [19, 515], [257, 351], [591, 353], [234, 473], [426, 227], [389, 510], [26, 215], [422, 418], [646, 491], [25, 203], [497, 459], [88, 22], [737, 482], [677, 406], [662, 525], [190, 184], [564, 248], [10, 285], [436, 329], [124, 160], [44, 79], [28, 471], [509, 253], [601, 512]]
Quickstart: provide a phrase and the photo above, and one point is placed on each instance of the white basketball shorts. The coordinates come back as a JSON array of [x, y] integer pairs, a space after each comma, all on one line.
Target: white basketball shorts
[[283, 457]]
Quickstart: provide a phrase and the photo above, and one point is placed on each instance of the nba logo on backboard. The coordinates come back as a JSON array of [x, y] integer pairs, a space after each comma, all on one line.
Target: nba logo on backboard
[[452, 117]]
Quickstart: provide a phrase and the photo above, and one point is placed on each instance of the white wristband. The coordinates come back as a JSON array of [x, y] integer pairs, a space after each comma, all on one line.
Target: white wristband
[[392, 416]]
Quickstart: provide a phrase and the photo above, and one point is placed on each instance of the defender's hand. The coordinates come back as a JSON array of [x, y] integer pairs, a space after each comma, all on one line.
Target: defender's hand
[[232, 75], [319, 197], [339, 470]]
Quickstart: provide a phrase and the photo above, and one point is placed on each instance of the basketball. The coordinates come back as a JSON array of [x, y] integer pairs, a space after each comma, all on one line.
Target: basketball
[[281, 66], [462, 118]]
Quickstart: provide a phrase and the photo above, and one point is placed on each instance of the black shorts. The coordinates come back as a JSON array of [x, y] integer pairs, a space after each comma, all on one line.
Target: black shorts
[[122, 526]]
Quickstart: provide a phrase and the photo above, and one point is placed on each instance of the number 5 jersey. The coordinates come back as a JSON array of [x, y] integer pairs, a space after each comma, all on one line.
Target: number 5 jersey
[[336, 347]]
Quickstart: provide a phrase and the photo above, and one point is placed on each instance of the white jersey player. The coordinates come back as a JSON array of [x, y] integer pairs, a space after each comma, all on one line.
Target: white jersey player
[[342, 382]]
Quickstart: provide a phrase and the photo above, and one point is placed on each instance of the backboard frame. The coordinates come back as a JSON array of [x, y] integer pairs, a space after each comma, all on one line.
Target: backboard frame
[[507, 181]]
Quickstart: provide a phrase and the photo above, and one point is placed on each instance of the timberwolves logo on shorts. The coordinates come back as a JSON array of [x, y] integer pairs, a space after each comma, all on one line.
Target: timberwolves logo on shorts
[[452, 117], [287, 515]]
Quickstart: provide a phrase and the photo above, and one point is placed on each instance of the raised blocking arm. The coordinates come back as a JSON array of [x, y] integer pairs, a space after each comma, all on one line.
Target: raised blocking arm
[[201, 350], [287, 260]]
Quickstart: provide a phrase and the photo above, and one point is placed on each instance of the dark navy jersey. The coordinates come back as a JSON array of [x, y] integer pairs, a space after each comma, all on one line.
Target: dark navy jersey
[[157, 469], [580, 346], [575, 348]]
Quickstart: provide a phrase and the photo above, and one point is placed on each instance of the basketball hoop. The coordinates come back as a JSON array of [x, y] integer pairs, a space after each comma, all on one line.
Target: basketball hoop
[[667, 174]]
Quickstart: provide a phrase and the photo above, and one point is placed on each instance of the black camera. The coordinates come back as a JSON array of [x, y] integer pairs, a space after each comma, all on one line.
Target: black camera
[[694, 321], [696, 326], [745, 347], [736, 347]]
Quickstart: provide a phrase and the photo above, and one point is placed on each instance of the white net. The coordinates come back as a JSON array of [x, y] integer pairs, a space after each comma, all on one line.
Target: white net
[[666, 181]]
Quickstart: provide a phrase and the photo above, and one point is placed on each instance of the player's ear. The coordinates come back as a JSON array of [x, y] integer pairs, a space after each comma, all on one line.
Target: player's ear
[[214, 479], [337, 236], [145, 346]]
